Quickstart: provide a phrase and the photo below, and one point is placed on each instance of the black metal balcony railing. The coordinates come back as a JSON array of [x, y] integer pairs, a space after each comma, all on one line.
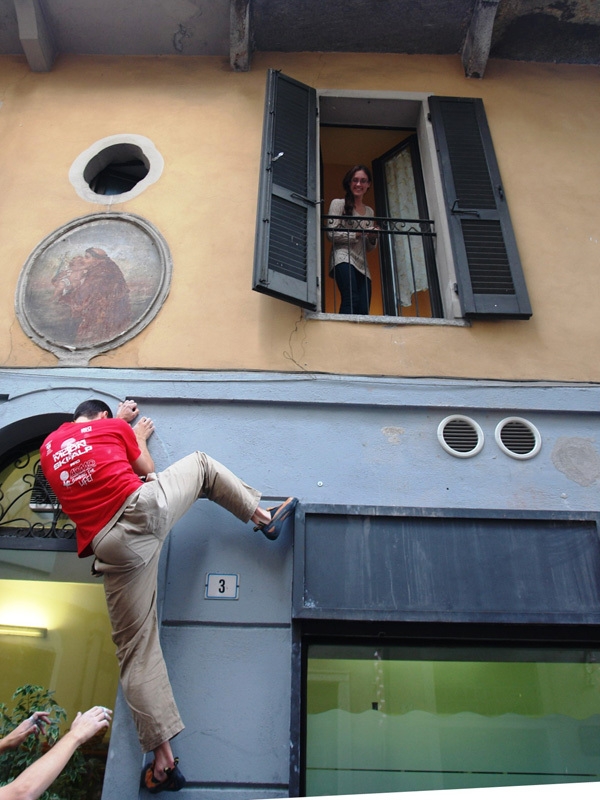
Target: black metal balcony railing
[[28, 506], [404, 253]]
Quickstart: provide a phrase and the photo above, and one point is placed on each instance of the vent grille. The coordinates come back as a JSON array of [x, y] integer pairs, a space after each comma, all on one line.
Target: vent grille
[[518, 438], [460, 436]]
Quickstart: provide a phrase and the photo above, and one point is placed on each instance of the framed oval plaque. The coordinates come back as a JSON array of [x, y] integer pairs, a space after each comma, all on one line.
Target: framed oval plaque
[[92, 285]]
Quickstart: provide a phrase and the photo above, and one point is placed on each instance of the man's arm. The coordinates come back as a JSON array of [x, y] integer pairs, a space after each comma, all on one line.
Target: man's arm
[[143, 430], [31, 783]]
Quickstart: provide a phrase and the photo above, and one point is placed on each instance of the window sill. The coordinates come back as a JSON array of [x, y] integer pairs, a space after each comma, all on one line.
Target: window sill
[[381, 320]]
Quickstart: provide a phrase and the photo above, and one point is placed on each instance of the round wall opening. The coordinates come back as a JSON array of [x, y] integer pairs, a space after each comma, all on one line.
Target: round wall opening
[[116, 169]]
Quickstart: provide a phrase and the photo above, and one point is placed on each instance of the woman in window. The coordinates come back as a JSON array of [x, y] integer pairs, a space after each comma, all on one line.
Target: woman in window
[[352, 239]]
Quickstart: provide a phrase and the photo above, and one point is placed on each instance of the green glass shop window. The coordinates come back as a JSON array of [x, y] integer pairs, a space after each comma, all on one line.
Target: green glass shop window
[[393, 719]]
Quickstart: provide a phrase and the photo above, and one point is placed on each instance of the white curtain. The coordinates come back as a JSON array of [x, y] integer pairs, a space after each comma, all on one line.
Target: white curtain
[[402, 201]]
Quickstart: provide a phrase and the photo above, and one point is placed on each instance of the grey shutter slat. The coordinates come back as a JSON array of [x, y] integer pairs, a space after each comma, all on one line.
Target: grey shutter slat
[[488, 269], [285, 257]]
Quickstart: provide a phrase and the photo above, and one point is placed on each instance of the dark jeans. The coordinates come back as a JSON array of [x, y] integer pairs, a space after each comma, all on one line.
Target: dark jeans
[[355, 289]]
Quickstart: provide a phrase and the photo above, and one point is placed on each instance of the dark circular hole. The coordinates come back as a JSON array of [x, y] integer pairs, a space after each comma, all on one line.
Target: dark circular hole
[[116, 169]]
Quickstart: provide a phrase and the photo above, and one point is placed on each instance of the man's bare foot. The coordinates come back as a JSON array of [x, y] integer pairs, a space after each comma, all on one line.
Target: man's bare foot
[[261, 516]]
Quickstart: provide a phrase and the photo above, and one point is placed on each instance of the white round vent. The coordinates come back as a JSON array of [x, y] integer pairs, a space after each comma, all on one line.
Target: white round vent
[[518, 438], [460, 436]]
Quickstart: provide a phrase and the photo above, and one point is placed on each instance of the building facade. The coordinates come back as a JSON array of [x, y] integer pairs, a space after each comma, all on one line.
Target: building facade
[[431, 620]]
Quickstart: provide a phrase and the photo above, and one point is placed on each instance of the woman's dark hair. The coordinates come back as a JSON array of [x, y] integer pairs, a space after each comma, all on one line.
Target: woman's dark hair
[[347, 184], [90, 408]]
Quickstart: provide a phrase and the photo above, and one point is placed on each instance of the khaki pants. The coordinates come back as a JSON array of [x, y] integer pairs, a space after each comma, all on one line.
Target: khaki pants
[[127, 551]]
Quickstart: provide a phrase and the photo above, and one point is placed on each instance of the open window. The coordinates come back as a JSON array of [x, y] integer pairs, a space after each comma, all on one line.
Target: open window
[[410, 284], [447, 247]]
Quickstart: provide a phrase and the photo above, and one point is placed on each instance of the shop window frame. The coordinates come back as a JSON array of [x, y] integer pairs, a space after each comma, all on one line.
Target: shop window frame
[[408, 627], [401, 634]]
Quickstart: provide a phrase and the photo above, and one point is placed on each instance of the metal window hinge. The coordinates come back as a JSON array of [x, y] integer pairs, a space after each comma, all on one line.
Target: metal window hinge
[[457, 210]]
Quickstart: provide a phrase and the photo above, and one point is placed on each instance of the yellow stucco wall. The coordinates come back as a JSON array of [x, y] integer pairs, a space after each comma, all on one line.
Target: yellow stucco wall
[[206, 121]]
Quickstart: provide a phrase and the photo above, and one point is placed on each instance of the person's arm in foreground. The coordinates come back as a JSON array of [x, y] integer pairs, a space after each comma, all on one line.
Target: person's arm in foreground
[[32, 725], [31, 783]]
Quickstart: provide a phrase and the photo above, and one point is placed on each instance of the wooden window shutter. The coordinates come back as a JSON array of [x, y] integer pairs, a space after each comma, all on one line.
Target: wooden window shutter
[[285, 258], [488, 269]]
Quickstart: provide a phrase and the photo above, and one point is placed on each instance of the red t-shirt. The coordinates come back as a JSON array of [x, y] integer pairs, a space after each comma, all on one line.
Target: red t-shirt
[[88, 466]]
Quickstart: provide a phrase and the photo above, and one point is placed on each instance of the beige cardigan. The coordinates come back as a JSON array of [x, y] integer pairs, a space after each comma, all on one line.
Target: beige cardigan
[[349, 244]]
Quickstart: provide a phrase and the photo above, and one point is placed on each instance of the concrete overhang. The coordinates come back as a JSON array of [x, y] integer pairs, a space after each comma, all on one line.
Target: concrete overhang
[[528, 30]]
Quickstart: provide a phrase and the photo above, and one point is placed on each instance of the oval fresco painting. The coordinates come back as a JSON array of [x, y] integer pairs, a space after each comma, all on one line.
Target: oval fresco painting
[[93, 284]]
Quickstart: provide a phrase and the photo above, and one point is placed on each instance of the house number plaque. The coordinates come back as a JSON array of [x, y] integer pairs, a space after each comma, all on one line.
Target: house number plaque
[[222, 587]]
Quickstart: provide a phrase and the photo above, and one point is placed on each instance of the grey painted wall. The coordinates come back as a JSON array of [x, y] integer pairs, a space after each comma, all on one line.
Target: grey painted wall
[[328, 440]]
